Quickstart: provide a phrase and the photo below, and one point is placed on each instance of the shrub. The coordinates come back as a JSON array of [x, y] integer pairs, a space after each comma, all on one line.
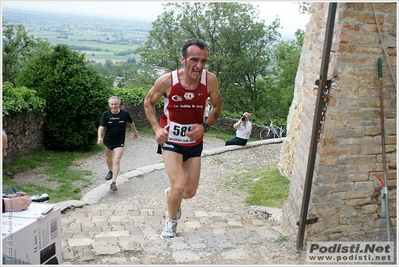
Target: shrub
[[76, 96], [134, 95], [21, 99]]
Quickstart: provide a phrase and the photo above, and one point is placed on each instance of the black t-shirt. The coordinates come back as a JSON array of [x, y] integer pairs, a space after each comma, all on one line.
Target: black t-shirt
[[115, 127]]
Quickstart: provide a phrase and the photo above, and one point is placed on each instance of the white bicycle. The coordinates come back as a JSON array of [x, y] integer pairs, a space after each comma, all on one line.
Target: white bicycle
[[272, 131]]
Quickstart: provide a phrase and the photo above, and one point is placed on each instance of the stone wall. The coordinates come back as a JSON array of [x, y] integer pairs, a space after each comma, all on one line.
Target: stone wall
[[25, 134], [345, 192]]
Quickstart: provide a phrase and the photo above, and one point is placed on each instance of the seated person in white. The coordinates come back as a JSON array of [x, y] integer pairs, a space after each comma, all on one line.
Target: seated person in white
[[243, 131]]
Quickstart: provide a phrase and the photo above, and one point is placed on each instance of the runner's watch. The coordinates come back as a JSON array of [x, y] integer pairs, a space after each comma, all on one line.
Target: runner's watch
[[206, 126]]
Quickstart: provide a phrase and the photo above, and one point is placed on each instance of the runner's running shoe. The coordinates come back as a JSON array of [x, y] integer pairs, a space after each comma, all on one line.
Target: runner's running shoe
[[169, 231]]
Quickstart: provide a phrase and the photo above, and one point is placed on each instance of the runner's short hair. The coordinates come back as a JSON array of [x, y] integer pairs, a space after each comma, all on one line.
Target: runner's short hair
[[195, 41]]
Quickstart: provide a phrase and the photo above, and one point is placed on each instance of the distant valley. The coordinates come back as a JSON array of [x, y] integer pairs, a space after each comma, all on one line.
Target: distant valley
[[99, 38]]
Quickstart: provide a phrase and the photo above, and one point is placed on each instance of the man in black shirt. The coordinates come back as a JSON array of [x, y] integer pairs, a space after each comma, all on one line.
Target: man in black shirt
[[114, 122]]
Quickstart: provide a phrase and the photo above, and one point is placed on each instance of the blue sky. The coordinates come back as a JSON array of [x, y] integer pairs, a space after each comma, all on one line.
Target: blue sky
[[287, 11]]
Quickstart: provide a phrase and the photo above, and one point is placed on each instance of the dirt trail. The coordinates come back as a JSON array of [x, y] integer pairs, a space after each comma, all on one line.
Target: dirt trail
[[138, 153]]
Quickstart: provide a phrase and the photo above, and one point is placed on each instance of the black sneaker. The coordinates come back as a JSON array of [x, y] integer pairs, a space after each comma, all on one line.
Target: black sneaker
[[113, 186], [109, 176]]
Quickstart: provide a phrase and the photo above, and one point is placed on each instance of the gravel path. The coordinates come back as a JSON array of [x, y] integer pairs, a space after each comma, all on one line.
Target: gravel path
[[137, 153]]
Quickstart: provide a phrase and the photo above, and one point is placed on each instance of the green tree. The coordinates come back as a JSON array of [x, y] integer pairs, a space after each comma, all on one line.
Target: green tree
[[146, 77], [75, 93], [239, 44], [18, 48], [285, 55], [109, 64], [126, 74], [131, 76], [164, 42], [131, 60], [104, 71], [304, 7]]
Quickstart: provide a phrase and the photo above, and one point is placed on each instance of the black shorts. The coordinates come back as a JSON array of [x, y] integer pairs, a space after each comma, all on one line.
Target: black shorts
[[186, 151], [112, 146]]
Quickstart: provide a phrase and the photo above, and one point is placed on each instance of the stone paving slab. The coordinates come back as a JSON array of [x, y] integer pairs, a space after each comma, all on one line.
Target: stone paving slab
[[123, 227]]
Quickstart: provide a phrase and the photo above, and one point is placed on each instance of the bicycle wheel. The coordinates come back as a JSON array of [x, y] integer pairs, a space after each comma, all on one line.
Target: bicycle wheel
[[266, 133], [284, 133]]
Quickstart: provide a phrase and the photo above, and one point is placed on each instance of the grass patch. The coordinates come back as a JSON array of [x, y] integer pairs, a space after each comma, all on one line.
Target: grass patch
[[282, 238], [68, 183], [145, 131], [265, 186], [225, 135], [62, 182]]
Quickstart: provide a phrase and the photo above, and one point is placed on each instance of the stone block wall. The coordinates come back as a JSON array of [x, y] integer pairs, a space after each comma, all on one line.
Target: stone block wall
[[25, 134], [345, 193]]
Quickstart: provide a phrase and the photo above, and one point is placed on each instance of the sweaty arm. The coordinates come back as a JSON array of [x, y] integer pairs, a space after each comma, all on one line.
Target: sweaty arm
[[160, 88], [100, 134], [133, 126], [216, 99]]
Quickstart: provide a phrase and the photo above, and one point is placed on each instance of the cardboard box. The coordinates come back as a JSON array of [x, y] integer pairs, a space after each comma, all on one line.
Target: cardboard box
[[13, 233], [32, 236]]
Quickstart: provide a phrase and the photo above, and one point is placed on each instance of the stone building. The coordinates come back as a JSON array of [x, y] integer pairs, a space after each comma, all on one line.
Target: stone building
[[345, 195]]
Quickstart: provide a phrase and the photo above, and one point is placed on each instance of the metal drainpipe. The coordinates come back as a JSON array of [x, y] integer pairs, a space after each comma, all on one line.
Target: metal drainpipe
[[316, 123]]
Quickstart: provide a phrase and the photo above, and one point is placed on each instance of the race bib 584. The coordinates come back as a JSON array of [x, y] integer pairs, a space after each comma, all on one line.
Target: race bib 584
[[177, 133]]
